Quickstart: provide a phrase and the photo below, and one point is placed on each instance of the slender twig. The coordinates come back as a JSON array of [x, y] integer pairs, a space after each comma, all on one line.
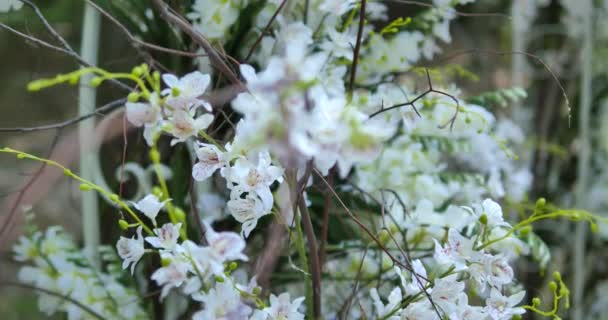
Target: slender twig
[[527, 54], [138, 42], [420, 96], [8, 222], [362, 226], [56, 294], [266, 29], [458, 13], [353, 69], [197, 37], [60, 125], [325, 227], [315, 267]]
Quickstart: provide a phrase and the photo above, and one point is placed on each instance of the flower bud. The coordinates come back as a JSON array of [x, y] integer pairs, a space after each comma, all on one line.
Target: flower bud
[[553, 286], [20, 156], [133, 97], [557, 276], [483, 219], [157, 192], [219, 279], [232, 266], [124, 225], [180, 215], [165, 262], [154, 155], [114, 198], [95, 82], [535, 302], [137, 71], [525, 231], [67, 172], [85, 187], [174, 91], [540, 203], [594, 227]]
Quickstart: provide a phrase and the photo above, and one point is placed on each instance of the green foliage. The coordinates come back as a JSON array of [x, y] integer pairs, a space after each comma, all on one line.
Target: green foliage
[[499, 98], [395, 25]]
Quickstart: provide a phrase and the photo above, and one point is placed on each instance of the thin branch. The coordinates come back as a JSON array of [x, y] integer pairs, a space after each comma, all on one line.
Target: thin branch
[[138, 42], [450, 121], [315, 267], [197, 37], [55, 294], [60, 125], [266, 29], [527, 54], [66, 48], [458, 13], [353, 69]]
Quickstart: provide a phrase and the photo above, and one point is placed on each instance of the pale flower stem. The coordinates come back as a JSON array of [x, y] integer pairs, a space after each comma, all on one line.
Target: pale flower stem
[[86, 105], [584, 162]]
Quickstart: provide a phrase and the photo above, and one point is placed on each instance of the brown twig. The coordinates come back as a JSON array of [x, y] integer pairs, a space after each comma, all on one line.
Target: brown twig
[[353, 69], [420, 96], [315, 267], [55, 294], [197, 37], [60, 125], [266, 29]]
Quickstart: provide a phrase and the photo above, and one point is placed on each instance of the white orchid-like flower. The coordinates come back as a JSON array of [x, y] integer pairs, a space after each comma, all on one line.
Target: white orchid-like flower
[[184, 93], [150, 206], [166, 237], [210, 159], [131, 249]]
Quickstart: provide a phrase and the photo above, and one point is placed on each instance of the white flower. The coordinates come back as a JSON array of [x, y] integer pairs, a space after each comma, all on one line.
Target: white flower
[[394, 299], [184, 125], [222, 303], [456, 251], [282, 308], [184, 93], [497, 269], [224, 246], [140, 113], [339, 44], [247, 211], [500, 307], [171, 276], [6, 5], [337, 7], [166, 237], [210, 158], [150, 205], [417, 280], [131, 250], [446, 292], [493, 213]]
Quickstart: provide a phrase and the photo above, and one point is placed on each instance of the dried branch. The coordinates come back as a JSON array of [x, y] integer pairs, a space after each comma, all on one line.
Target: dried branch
[[55, 294], [266, 29], [315, 267], [60, 125], [136, 42], [420, 96], [197, 37], [353, 69]]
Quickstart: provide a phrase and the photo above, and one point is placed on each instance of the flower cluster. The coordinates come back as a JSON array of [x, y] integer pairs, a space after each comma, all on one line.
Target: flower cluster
[[54, 264], [312, 119]]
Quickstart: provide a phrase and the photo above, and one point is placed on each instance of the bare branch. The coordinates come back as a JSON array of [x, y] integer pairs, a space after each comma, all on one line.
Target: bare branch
[[60, 125], [197, 37], [353, 69]]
